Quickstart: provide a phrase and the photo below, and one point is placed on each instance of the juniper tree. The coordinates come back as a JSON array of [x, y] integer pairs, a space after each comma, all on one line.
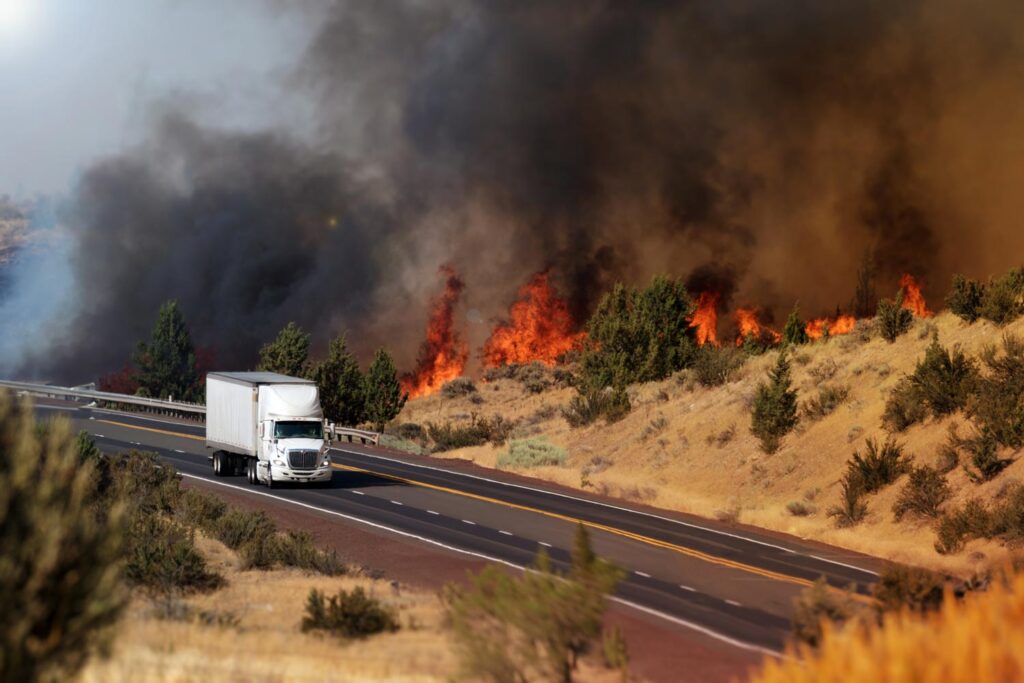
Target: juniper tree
[[384, 395], [288, 354], [893, 319], [795, 331], [167, 363], [341, 384], [966, 298], [775, 406]]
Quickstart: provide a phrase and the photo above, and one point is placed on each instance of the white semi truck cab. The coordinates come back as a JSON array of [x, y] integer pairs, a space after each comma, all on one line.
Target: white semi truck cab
[[267, 426]]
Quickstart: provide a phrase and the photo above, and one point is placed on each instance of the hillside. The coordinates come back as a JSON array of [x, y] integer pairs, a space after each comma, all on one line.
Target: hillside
[[689, 448]]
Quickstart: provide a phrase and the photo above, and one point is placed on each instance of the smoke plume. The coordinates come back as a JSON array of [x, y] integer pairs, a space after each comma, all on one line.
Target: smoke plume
[[775, 141]]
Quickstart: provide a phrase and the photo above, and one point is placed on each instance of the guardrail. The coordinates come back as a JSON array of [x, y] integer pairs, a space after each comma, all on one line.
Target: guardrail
[[195, 410], [47, 390]]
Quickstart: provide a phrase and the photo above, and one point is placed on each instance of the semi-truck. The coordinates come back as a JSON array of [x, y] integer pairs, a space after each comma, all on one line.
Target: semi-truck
[[267, 426]]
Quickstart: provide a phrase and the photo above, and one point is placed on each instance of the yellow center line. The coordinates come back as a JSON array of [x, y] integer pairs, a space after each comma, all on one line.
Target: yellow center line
[[153, 429], [682, 550]]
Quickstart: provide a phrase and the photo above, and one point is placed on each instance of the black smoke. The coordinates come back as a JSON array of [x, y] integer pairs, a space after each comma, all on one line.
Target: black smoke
[[777, 141]]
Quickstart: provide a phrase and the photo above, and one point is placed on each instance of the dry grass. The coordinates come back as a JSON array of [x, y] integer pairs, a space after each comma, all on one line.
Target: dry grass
[[976, 640], [266, 645], [676, 469]]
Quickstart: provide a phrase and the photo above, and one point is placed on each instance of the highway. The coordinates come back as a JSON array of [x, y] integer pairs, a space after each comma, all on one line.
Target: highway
[[735, 585]]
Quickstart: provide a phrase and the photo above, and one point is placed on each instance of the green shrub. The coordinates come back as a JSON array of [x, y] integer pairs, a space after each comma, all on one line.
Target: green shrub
[[955, 526], [943, 381], [900, 587], [143, 482], [879, 466], [161, 556], [590, 404], [923, 494], [527, 453], [449, 436], [774, 412], [59, 573], [240, 527], [893, 319], [714, 365], [349, 614], [535, 377], [614, 651], [799, 508], [966, 298], [199, 509], [534, 625], [460, 386], [828, 399], [297, 549], [819, 604], [638, 335], [851, 508], [903, 408], [984, 452], [997, 407], [1004, 298]]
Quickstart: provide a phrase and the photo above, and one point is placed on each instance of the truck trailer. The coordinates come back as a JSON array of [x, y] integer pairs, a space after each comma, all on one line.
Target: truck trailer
[[267, 426]]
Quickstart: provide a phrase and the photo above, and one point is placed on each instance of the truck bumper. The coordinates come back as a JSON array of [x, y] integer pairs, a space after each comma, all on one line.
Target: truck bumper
[[285, 474]]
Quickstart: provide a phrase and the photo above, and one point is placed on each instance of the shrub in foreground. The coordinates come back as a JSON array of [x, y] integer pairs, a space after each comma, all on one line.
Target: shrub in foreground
[[828, 399], [162, 557], [348, 614], [59, 574], [975, 640], [966, 298], [820, 605], [997, 407], [1003, 301], [591, 404], [534, 625], [880, 465], [449, 435], [893, 319], [714, 365], [923, 494], [903, 407]]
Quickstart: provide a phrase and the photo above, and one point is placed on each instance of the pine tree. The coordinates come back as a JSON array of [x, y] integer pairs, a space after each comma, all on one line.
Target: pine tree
[[167, 364], [288, 354], [341, 385], [775, 408], [795, 331], [384, 395]]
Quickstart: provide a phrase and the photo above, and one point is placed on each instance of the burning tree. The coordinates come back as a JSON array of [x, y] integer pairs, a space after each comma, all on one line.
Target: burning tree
[[540, 328], [443, 354]]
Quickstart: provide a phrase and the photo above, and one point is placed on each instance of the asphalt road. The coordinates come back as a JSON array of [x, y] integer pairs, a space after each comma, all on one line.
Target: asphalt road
[[735, 585]]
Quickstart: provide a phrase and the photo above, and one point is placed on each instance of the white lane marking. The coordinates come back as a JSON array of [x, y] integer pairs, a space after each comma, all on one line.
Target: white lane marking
[[640, 573], [395, 502], [431, 512], [507, 533], [609, 505], [647, 610], [546, 545], [91, 417], [466, 521], [100, 436], [359, 493], [688, 588], [178, 450], [734, 603]]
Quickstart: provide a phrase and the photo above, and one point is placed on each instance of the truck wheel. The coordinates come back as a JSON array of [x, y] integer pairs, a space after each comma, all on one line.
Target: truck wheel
[[219, 466], [250, 470], [269, 481]]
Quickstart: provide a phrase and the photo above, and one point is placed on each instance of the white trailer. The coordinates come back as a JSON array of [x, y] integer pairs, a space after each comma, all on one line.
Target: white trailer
[[267, 426]]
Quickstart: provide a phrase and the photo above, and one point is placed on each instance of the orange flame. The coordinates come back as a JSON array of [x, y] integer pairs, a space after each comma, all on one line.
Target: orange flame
[[540, 328], [705, 318], [841, 324], [443, 354], [913, 300], [749, 325]]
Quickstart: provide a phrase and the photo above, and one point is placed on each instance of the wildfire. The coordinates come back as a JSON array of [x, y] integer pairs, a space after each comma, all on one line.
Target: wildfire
[[539, 328], [443, 354], [913, 300], [705, 318], [749, 326], [841, 324]]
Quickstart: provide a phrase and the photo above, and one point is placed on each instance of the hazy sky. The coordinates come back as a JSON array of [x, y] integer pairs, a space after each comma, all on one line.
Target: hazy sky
[[79, 77]]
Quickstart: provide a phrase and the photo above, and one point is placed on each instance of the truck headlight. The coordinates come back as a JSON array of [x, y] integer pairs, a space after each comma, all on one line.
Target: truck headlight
[[279, 462]]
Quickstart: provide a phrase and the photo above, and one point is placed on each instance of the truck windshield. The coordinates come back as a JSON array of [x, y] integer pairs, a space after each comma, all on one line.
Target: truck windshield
[[298, 430]]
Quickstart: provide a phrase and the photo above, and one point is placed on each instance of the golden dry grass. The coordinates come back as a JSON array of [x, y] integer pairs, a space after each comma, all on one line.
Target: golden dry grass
[[689, 448], [267, 644], [977, 640]]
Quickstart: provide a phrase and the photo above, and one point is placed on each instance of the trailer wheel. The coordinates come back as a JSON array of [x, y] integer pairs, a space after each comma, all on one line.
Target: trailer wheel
[[219, 466]]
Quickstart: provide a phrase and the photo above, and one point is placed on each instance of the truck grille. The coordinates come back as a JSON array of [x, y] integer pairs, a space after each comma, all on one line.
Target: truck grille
[[303, 460]]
